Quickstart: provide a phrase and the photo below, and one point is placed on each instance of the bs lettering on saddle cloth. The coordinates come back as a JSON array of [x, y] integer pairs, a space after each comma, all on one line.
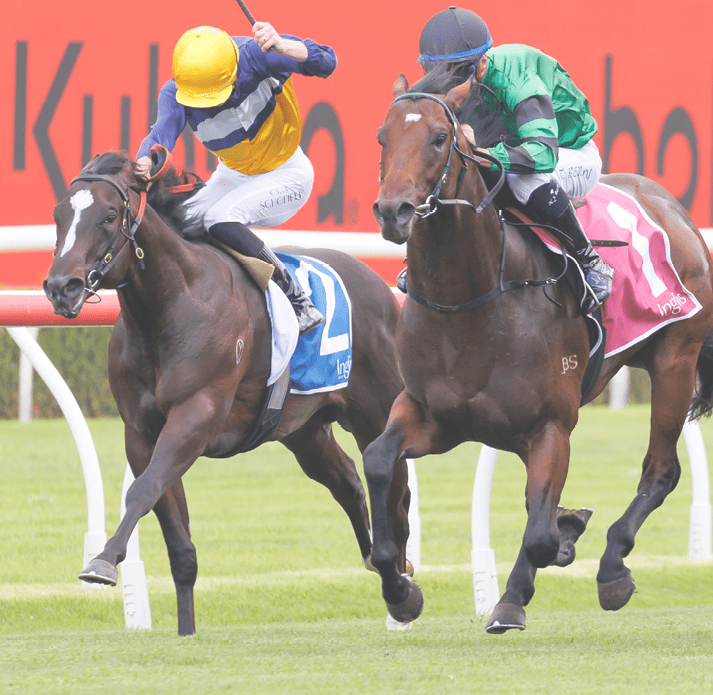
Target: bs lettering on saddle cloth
[[647, 293], [322, 359]]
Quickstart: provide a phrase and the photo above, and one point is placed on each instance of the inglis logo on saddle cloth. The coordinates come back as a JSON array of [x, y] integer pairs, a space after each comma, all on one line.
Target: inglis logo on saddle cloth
[[674, 305], [322, 360]]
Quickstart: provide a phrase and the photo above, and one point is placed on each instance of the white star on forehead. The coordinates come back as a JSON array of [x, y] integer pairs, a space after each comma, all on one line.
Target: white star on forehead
[[413, 117], [81, 200]]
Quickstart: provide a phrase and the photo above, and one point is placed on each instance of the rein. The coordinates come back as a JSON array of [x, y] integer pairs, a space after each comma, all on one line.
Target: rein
[[96, 275], [434, 202], [159, 152], [500, 288]]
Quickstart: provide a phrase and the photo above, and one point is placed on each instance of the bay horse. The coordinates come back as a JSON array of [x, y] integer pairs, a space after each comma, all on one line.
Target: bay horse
[[182, 387], [481, 353]]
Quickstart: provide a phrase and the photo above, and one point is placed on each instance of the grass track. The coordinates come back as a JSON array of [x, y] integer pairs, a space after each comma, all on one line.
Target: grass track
[[283, 605]]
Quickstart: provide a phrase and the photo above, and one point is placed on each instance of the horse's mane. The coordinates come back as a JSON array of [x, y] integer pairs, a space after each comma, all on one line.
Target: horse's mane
[[168, 204], [480, 109]]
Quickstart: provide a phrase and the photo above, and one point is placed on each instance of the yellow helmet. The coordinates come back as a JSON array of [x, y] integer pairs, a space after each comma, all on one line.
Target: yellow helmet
[[205, 64]]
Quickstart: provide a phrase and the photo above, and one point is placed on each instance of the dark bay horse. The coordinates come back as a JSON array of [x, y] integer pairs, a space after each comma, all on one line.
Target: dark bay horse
[[182, 387], [482, 362]]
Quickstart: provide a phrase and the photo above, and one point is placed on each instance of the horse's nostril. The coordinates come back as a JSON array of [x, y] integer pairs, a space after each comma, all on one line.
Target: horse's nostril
[[377, 213], [58, 288], [405, 213], [74, 287]]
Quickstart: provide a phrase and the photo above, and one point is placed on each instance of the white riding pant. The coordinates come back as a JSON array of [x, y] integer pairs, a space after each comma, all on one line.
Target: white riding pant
[[257, 200], [577, 172]]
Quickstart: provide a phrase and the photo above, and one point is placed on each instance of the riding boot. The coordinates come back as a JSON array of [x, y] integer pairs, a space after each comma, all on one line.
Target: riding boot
[[240, 238], [550, 205], [597, 273], [308, 316]]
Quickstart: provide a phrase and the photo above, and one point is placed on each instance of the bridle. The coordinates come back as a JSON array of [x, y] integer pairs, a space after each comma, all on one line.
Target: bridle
[[433, 203], [126, 229]]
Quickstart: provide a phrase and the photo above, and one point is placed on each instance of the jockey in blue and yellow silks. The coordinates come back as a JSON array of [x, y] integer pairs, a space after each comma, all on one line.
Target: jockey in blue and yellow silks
[[237, 96]]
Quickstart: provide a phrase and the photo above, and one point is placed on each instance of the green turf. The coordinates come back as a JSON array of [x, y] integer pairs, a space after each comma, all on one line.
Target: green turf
[[284, 606]]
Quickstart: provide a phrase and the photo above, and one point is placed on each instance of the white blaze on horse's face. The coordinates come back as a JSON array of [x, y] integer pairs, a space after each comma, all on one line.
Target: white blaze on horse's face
[[413, 117], [81, 200]]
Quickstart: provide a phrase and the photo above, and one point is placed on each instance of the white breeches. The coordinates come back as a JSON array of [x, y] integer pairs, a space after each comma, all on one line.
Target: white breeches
[[260, 200], [577, 172]]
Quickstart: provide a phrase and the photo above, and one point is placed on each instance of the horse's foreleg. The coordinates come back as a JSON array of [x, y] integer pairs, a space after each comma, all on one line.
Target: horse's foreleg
[[408, 434], [547, 460], [323, 460], [402, 595], [182, 440], [671, 389]]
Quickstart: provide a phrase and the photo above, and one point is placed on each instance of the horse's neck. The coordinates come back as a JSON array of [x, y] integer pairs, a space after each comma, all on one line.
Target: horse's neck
[[166, 273], [455, 254]]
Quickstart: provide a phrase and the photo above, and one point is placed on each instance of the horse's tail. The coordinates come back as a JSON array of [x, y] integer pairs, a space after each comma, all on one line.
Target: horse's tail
[[702, 403]]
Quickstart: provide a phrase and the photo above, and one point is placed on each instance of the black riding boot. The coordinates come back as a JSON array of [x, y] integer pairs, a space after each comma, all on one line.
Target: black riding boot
[[240, 238], [598, 274], [550, 205]]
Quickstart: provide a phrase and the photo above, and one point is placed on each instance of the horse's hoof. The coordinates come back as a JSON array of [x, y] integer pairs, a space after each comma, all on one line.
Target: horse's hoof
[[392, 624], [506, 616], [615, 595], [410, 608], [571, 524], [100, 572]]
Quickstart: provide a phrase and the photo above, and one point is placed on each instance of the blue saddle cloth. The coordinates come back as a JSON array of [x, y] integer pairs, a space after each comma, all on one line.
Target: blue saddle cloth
[[322, 359]]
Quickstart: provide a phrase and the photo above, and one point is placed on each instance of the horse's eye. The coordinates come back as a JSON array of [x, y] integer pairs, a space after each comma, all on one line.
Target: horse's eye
[[441, 139], [111, 218]]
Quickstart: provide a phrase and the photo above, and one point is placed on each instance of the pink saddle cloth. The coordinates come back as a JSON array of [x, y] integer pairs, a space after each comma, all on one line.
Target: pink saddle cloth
[[647, 292]]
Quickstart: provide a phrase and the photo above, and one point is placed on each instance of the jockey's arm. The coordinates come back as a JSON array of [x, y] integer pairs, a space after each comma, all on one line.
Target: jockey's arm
[[267, 38]]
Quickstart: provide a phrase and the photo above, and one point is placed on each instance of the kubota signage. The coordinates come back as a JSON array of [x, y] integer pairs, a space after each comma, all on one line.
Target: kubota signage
[[78, 83]]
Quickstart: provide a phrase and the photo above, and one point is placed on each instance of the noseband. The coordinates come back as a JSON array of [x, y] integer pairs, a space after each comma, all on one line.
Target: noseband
[[95, 276], [434, 200]]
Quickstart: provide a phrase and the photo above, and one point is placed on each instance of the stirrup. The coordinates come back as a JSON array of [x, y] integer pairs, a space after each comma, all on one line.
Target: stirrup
[[598, 277], [401, 281], [308, 317]]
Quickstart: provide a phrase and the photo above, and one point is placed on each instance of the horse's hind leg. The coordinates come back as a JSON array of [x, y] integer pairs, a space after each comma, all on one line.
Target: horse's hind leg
[[323, 460], [172, 513], [672, 380]]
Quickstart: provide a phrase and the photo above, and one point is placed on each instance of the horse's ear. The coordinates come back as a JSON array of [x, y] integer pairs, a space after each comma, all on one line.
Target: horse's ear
[[456, 95], [89, 164], [400, 86]]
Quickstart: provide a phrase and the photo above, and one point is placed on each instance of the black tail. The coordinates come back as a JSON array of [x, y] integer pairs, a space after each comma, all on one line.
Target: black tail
[[702, 404]]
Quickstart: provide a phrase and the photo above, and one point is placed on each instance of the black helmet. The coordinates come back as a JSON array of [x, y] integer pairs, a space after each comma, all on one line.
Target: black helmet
[[453, 36]]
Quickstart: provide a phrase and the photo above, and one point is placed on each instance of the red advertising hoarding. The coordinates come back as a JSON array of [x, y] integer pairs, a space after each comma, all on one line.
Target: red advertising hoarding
[[84, 81]]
